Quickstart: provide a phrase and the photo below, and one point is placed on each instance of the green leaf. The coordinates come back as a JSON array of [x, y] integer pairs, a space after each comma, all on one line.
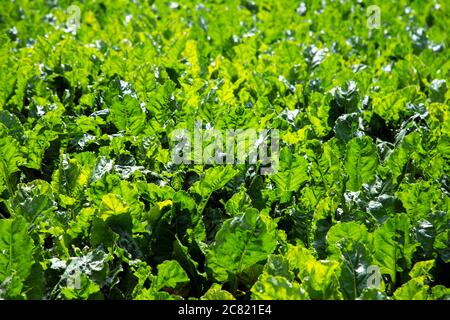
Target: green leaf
[[16, 248], [127, 115], [297, 257], [438, 89], [270, 287], [346, 97], [83, 274], [344, 236], [112, 205], [156, 211], [11, 288], [348, 242], [87, 290], [238, 203], [361, 162], [186, 217], [393, 245], [422, 269], [440, 292], [13, 124], [102, 167], [101, 234], [425, 235], [242, 241], [293, 171], [10, 158], [418, 198], [215, 292], [170, 275], [372, 294], [182, 256], [213, 179], [278, 265], [355, 274], [40, 140], [66, 180], [346, 126], [320, 279], [36, 282], [442, 245], [33, 199], [441, 227], [148, 294], [414, 289]]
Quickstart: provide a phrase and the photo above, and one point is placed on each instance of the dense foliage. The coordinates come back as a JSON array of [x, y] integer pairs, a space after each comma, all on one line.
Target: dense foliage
[[92, 207]]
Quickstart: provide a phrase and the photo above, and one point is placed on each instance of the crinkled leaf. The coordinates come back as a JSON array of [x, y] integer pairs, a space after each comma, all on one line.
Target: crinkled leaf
[[361, 162], [270, 287], [215, 292], [242, 241], [393, 245], [16, 248]]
